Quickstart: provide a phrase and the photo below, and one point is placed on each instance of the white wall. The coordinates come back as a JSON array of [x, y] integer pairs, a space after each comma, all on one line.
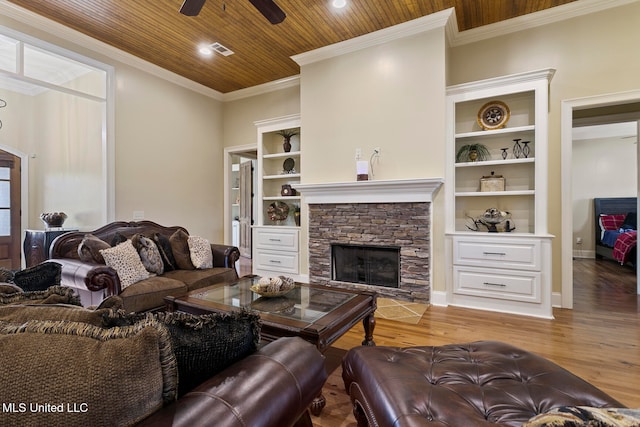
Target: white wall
[[169, 154], [388, 96]]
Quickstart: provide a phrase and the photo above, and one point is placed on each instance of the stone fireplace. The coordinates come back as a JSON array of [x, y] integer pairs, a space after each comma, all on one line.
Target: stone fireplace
[[382, 214]]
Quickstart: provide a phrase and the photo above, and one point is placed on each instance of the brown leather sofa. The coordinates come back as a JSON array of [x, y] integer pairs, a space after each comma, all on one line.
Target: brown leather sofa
[[477, 384], [270, 388], [94, 281]]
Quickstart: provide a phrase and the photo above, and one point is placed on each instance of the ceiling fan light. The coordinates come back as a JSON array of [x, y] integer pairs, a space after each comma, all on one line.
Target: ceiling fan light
[[339, 4]]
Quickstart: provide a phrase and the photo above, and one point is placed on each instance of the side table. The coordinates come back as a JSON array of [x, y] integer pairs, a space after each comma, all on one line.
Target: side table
[[37, 243]]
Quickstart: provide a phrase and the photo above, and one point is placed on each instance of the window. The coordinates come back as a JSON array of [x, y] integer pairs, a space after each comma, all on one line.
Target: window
[[58, 108]]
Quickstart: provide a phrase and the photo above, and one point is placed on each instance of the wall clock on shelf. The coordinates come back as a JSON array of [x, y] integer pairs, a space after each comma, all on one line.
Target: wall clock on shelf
[[493, 115]]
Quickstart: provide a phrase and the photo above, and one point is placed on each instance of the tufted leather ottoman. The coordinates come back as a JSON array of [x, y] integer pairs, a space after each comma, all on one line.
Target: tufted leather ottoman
[[477, 384]]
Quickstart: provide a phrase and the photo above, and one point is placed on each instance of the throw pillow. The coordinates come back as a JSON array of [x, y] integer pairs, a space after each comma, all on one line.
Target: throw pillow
[[164, 246], [200, 252], [611, 222], [118, 238], [203, 344], [124, 259], [149, 253], [114, 302], [585, 416], [89, 249], [53, 295], [180, 249], [116, 376], [6, 275], [9, 288], [39, 277], [22, 313], [630, 221]]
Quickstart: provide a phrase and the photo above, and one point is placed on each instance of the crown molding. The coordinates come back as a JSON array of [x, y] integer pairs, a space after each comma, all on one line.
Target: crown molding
[[533, 20], [405, 29], [273, 86], [499, 82], [79, 39]]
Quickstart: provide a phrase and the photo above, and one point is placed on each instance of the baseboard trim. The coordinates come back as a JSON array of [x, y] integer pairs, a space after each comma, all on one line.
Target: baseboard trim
[[439, 298], [556, 299], [577, 253]]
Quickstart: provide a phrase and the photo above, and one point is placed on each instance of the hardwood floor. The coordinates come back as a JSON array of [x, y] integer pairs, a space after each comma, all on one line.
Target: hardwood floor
[[599, 340]]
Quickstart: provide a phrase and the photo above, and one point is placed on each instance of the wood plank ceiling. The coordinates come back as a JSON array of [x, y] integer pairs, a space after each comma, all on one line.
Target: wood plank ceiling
[[156, 32]]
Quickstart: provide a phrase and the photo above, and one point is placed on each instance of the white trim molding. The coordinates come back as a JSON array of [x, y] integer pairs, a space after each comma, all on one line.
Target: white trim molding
[[389, 191], [405, 29], [533, 20]]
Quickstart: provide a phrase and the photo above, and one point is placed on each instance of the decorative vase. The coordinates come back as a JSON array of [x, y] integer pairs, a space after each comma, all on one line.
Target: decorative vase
[[53, 219], [517, 148], [473, 155], [286, 145]]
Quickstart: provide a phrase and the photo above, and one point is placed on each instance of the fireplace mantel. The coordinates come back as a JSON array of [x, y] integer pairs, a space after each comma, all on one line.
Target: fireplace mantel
[[388, 191]]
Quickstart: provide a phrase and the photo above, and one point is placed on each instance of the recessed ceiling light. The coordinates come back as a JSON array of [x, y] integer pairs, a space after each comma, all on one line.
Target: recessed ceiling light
[[205, 50], [208, 50], [339, 4]]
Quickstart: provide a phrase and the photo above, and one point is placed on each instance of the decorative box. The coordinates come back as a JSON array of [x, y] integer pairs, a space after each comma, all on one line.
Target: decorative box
[[492, 183]]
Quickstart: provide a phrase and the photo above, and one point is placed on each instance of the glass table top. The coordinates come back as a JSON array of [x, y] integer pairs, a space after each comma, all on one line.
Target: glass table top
[[303, 303]]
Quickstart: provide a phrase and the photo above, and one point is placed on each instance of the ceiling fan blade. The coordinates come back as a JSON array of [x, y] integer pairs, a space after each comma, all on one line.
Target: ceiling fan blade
[[269, 9], [191, 7]]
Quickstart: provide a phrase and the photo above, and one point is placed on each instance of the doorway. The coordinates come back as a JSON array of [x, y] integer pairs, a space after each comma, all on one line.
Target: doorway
[[601, 108], [10, 211], [239, 199]]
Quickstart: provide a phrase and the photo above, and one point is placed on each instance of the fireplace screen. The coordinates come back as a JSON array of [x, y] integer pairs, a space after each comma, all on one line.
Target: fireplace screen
[[370, 265]]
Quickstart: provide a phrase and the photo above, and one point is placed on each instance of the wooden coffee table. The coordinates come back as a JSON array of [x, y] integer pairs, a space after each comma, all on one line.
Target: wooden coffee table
[[318, 314]]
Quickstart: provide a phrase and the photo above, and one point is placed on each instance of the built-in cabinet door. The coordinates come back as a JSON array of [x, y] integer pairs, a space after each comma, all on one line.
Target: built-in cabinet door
[[246, 209]]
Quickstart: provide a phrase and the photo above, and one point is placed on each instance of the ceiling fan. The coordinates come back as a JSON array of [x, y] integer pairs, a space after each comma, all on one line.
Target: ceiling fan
[[268, 8]]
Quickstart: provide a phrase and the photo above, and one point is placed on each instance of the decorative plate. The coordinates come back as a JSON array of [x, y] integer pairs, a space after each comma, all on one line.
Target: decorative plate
[[493, 115], [288, 165], [278, 211]]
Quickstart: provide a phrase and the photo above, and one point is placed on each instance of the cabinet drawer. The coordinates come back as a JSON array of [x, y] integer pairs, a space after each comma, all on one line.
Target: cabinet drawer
[[513, 285], [282, 240], [283, 262], [522, 254]]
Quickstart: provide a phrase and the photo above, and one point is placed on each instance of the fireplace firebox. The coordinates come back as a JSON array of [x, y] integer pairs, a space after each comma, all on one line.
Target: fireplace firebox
[[370, 265]]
